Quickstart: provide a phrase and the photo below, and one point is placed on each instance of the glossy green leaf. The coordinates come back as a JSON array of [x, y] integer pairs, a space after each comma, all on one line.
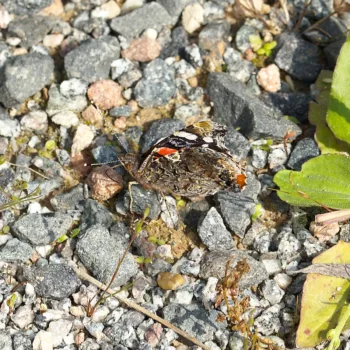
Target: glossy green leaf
[[328, 143], [338, 116], [323, 180], [325, 299]]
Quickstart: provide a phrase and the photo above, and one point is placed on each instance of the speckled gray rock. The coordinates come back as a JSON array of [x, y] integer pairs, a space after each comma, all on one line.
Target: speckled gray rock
[[151, 15], [268, 322], [157, 86], [23, 7], [297, 57], [235, 210], [318, 9], [158, 129], [174, 8], [40, 229], [31, 30], [5, 340], [179, 41], [22, 342], [238, 67], [242, 37], [214, 265], [194, 319], [70, 200], [95, 214], [213, 34], [15, 251], [22, 76], [304, 150], [295, 104], [122, 111], [213, 232], [58, 103], [105, 154], [8, 127], [100, 252], [141, 199], [236, 106], [236, 143], [56, 281], [91, 60]]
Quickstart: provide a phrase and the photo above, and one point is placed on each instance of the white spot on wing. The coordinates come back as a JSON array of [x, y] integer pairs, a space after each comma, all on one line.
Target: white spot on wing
[[185, 135], [208, 139]]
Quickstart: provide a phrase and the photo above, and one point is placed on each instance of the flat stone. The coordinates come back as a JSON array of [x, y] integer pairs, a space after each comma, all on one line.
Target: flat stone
[[297, 57], [56, 281], [102, 265], [214, 34], [15, 251], [91, 60], [304, 150], [23, 7], [236, 106], [214, 265], [37, 70], [151, 15], [70, 200], [41, 229], [106, 94]]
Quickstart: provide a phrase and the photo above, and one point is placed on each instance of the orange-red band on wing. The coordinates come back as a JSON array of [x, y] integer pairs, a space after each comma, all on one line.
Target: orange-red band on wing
[[164, 151]]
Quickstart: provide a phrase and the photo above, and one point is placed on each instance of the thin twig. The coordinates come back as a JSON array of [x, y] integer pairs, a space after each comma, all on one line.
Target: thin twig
[[34, 171], [83, 275], [302, 15]]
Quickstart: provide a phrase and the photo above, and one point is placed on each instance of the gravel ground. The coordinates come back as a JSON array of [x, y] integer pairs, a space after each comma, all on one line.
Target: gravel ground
[[82, 79]]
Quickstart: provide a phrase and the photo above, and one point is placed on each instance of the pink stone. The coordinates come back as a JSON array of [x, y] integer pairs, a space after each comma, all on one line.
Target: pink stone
[[269, 78], [144, 49], [106, 94], [53, 40], [153, 334], [93, 116]]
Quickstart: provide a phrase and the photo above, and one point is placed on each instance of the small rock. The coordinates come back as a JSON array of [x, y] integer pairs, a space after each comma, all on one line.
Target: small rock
[[177, 44], [105, 154], [272, 266], [120, 66], [151, 15], [317, 9], [304, 150], [268, 322], [106, 94], [283, 280], [214, 265], [142, 50], [192, 17], [58, 103], [56, 281], [108, 10], [213, 232], [122, 111], [23, 316], [3, 143], [35, 67], [104, 183], [41, 229], [43, 341], [59, 330], [8, 127], [158, 85], [242, 37], [73, 87], [278, 155], [193, 55], [153, 334], [82, 138], [15, 251], [93, 116], [214, 37], [71, 200], [272, 292], [237, 67], [189, 113], [53, 40], [66, 119], [98, 239], [269, 78], [299, 58], [5, 18], [19, 7], [184, 70], [35, 121], [92, 59], [170, 281]]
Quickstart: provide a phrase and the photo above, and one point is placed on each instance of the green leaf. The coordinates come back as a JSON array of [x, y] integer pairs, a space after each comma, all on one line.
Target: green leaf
[[5, 230], [255, 42], [324, 180], [62, 239], [292, 119], [152, 239], [270, 45], [75, 232], [140, 259], [258, 211], [2, 160], [325, 300], [50, 145], [327, 141], [338, 116]]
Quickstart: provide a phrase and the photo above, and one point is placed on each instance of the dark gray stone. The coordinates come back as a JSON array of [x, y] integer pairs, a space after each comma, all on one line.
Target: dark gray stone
[[91, 60], [71, 200], [122, 111], [236, 143], [141, 198], [158, 129], [304, 150], [237, 107], [6, 176], [194, 212], [56, 281], [105, 154], [332, 51], [318, 8], [174, 8], [212, 34], [100, 253], [294, 104], [213, 232], [194, 319], [297, 57], [22, 76], [41, 229], [15, 251], [151, 15], [238, 67], [214, 265], [235, 210], [95, 214], [193, 55], [31, 30], [23, 7], [179, 41], [158, 85]]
